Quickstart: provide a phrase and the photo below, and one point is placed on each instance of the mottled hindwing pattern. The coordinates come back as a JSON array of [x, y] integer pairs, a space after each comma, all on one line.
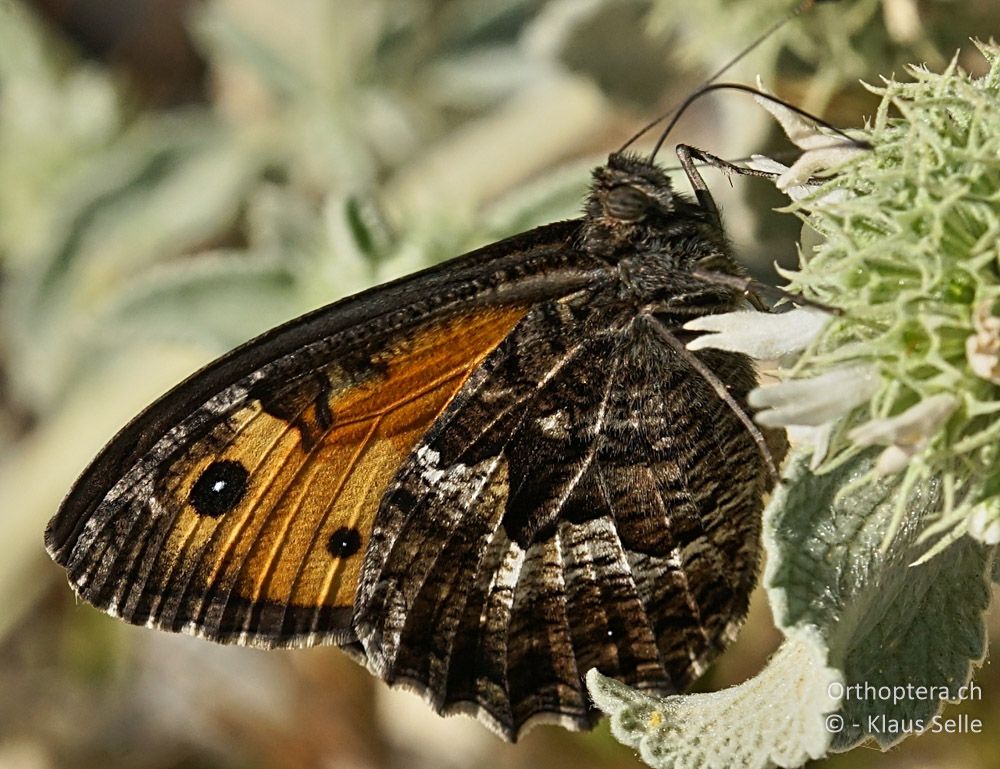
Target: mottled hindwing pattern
[[585, 501]]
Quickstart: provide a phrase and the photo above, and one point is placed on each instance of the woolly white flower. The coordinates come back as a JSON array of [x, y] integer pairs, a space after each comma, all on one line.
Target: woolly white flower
[[814, 401], [758, 334], [905, 434]]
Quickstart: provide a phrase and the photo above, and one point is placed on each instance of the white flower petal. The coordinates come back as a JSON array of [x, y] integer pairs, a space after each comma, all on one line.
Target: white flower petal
[[802, 132], [780, 171], [814, 401], [982, 349], [758, 334], [766, 164], [796, 192], [894, 459], [984, 524], [814, 161], [823, 149], [983, 364], [910, 428], [902, 21], [817, 437]]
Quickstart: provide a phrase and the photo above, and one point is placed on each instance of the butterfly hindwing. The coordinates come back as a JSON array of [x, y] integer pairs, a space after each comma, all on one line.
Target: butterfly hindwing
[[554, 520], [240, 506]]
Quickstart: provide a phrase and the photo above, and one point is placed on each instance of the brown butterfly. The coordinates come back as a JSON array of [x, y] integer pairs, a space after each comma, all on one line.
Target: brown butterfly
[[480, 480]]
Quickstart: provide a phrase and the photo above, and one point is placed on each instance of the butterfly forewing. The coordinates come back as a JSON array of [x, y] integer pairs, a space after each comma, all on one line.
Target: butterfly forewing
[[247, 517]]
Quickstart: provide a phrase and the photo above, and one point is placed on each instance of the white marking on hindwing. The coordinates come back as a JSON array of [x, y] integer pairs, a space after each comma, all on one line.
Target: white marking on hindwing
[[427, 464], [458, 481], [555, 425], [504, 580]]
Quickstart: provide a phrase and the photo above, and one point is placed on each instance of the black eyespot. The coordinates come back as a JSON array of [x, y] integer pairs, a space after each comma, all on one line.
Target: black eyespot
[[219, 489], [627, 203], [344, 542]]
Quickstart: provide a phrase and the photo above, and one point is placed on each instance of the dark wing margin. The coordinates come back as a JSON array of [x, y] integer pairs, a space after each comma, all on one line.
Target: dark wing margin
[[558, 517], [201, 452]]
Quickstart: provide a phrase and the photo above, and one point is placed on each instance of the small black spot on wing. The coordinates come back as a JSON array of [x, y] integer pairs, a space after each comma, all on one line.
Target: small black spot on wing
[[344, 542], [219, 488]]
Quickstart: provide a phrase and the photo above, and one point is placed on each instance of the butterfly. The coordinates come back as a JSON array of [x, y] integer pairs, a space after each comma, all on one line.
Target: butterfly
[[480, 480]]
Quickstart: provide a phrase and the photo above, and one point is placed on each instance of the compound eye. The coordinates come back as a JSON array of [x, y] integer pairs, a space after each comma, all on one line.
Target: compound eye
[[626, 203]]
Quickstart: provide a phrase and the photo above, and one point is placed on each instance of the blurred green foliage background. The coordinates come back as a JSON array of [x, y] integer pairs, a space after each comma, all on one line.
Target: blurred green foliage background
[[177, 176]]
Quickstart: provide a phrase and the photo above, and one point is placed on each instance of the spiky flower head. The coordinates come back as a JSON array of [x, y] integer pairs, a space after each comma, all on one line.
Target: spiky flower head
[[910, 259]]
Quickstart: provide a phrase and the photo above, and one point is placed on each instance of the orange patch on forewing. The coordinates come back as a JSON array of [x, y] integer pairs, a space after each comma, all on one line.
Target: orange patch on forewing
[[273, 544]]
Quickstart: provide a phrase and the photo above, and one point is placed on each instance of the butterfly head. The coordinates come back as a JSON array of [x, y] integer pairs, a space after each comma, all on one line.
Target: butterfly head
[[633, 211], [630, 189]]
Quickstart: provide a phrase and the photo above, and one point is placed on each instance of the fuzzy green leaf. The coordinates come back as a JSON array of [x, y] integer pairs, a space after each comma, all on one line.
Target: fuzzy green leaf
[[884, 621], [219, 301]]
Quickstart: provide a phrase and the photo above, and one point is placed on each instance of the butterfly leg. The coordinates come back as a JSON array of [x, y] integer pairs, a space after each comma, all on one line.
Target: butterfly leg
[[750, 286], [688, 155]]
